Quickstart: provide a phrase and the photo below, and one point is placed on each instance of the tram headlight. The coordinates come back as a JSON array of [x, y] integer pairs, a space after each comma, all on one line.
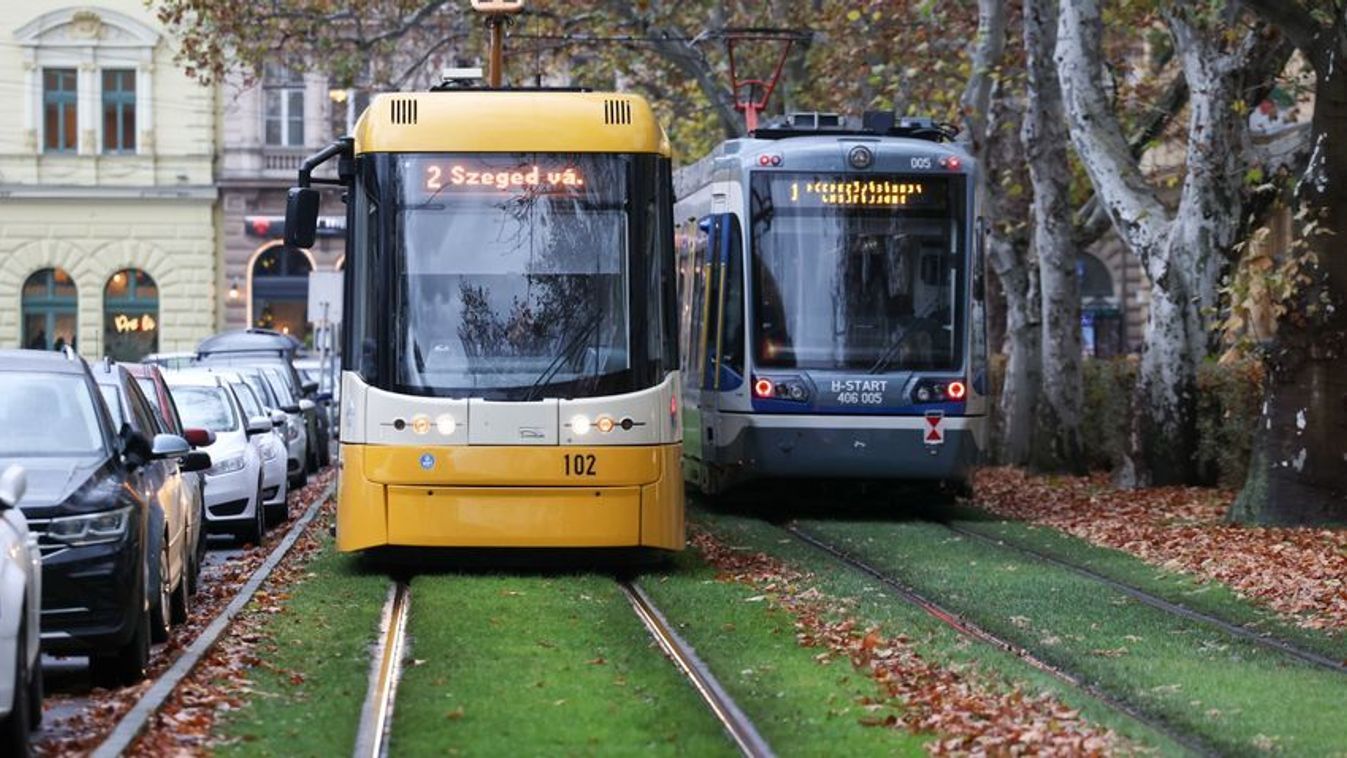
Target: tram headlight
[[446, 424], [580, 425], [421, 423], [604, 424]]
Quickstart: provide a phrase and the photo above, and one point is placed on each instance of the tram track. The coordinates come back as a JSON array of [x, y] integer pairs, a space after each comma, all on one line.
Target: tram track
[[1159, 603], [377, 712], [735, 722], [975, 632]]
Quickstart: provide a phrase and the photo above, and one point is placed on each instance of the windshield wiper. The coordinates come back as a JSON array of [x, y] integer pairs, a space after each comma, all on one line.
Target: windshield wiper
[[567, 353], [892, 350]]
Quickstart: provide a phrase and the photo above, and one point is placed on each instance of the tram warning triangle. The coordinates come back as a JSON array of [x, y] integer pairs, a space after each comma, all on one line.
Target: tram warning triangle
[[935, 432]]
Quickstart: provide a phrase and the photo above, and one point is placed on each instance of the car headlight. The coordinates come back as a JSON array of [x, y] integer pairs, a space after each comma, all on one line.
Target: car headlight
[[291, 430], [90, 529], [271, 451], [227, 466]]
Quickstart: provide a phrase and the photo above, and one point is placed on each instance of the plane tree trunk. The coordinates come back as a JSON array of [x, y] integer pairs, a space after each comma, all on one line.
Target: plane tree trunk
[[1298, 473], [1183, 252], [1044, 136]]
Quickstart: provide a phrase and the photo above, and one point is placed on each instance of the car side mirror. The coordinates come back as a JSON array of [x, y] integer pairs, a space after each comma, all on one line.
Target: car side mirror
[[309, 387], [323, 397], [301, 216], [291, 408], [197, 460], [307, 405], [199, 437], [278, 418], [258, 425], [169, 446], [13, 483]]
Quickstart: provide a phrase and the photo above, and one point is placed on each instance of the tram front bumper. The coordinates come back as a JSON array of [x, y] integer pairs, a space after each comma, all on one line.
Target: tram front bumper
[[848, 447], [504, 496]]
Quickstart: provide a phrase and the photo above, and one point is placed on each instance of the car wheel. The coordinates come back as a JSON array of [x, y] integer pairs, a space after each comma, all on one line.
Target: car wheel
[[182, 600], [201, 544], [161, 606], [36, 691], [14, 727], [257, 528], [127, 664], [277, 514]]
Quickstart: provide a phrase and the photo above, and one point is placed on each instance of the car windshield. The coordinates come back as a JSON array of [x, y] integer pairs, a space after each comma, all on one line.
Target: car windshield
[[260, 388], [853, 274], [48, 415], [512, 273], [280, 387], [206, 408], [246, 398]]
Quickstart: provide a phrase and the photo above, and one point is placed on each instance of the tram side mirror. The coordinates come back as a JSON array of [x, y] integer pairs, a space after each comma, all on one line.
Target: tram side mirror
[[301, 216]]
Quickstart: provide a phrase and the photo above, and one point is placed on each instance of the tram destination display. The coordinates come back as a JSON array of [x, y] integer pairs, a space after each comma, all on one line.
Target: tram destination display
[[896, 191]]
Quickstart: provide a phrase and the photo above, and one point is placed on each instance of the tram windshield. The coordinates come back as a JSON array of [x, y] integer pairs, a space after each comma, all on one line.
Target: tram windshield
[[856, 273], [512, 274]]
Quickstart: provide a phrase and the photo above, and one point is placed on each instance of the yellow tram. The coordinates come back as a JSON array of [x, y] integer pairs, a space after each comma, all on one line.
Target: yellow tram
[[509, 360]]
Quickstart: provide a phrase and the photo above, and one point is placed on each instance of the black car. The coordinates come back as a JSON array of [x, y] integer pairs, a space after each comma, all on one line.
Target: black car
[[172, 499], [88, 502], [264, 348]]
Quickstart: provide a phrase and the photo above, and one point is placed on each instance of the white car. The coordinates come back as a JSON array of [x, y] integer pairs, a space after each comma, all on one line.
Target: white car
[[235, 481], [271, 446], [20, 618]]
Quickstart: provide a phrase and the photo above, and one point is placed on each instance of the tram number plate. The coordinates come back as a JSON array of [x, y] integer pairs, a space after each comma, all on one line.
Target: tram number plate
[[581, 464]]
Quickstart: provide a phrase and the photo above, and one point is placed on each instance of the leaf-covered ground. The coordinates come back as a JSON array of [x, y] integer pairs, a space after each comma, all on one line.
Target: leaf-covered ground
[[1301, 573], [967, 715], [176, 728]]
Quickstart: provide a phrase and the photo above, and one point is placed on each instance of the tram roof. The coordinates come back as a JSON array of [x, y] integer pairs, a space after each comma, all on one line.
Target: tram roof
[[502, 121]]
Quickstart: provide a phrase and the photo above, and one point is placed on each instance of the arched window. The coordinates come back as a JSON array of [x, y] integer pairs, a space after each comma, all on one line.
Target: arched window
[[50, 308], [280, 290], [130, 315]]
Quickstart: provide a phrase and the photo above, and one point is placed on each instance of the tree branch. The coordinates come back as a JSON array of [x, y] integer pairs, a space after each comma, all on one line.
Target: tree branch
[[1294, 20], [1131, 203], [987, 55]]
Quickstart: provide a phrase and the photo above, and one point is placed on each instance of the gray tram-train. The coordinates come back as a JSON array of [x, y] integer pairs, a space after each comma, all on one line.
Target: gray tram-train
[[830, 294]]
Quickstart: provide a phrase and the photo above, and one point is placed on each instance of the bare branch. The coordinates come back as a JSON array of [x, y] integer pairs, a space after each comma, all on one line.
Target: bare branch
[[1131, 202], [1295, 21]]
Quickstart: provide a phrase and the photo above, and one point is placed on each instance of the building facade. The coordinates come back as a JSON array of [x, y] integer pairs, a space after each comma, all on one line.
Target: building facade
[[107, 191], [268, 127]]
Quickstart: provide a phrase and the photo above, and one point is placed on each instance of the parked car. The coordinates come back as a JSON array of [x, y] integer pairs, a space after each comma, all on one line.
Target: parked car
[[301, 462], [273, 350], [328, 396], [234, 482], [170, 361], [156, 391], [90, 487], [170, 508], [20, 619], [271, 446]]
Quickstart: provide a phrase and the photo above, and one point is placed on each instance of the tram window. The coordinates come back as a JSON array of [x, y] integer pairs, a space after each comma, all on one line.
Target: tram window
[[361, 352]]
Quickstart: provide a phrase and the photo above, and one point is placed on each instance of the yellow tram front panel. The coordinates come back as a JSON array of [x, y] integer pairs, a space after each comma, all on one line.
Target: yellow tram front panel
[[508, 496]]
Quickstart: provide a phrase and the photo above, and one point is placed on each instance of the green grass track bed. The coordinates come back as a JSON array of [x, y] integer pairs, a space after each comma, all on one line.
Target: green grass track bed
[[798, 705], [306, 700], [529, 665], [1231, 694]]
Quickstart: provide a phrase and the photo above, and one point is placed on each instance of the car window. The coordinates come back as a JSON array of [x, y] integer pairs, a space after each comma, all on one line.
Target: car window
[[115, 407], [247, 398], [145, 419], [207, 408], [48, 415]]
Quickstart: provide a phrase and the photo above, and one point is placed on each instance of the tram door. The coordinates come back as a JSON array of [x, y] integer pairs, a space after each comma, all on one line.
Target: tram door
[[721, 338]]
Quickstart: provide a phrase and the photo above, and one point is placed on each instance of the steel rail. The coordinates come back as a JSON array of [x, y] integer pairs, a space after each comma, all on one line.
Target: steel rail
[[1159, 603], [129, 727], [735, 722], [371, 739], [972, 631]]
